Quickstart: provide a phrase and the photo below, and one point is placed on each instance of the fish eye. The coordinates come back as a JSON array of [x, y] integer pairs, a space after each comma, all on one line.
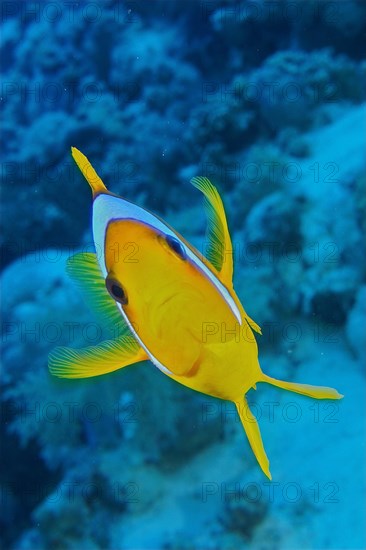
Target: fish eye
[[175, 245], [116, 290]]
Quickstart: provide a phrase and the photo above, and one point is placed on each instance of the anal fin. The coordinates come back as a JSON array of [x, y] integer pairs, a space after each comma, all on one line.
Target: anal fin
[[253, 324]]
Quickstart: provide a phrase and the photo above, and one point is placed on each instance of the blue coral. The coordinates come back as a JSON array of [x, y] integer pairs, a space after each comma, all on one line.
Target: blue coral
[[267, 99]]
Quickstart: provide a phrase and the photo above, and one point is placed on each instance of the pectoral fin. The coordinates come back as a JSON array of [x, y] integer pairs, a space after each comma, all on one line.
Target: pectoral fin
[[95, 360], [84, 269], [219, 251], [253, 434]]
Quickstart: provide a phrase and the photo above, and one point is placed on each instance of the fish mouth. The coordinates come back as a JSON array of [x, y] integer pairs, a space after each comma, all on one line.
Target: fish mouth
[[167, 300], [167, 294], [182, 296]]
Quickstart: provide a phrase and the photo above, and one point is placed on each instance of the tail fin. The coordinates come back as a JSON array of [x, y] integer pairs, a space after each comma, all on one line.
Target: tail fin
[[318, 392], [253, 434]]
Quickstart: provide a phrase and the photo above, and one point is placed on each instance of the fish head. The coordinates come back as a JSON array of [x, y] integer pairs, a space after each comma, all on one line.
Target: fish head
[[148, 270], [156, 277]]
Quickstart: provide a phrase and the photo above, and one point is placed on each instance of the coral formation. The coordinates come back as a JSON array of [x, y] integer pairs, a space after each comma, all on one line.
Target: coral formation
[[267, 100]]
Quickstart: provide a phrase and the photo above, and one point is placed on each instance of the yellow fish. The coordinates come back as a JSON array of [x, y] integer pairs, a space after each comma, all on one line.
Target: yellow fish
[[179, 309]]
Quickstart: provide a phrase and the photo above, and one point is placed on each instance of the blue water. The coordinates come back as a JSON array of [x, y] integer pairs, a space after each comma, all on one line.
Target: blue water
[[267, 99]]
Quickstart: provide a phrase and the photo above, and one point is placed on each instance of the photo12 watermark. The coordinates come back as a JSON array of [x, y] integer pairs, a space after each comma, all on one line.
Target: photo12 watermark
[[69, 11], [269, 492], [72, 491], [271, 412]]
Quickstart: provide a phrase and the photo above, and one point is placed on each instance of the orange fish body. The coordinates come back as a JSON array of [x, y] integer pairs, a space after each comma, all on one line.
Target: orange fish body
[[178, 308]]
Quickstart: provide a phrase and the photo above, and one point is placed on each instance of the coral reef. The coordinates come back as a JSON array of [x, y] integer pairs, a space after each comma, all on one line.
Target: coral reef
[[267, 100]]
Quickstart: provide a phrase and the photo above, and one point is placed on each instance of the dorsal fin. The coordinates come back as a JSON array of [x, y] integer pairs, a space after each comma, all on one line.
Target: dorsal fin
[[88, 172], [219, 250]]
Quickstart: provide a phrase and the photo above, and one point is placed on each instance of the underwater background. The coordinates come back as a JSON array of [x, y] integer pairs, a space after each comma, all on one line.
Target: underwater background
[[267, 99]]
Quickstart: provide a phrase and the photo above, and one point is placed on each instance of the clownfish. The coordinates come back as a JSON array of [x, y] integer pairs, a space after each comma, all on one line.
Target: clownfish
[[178, 308]]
